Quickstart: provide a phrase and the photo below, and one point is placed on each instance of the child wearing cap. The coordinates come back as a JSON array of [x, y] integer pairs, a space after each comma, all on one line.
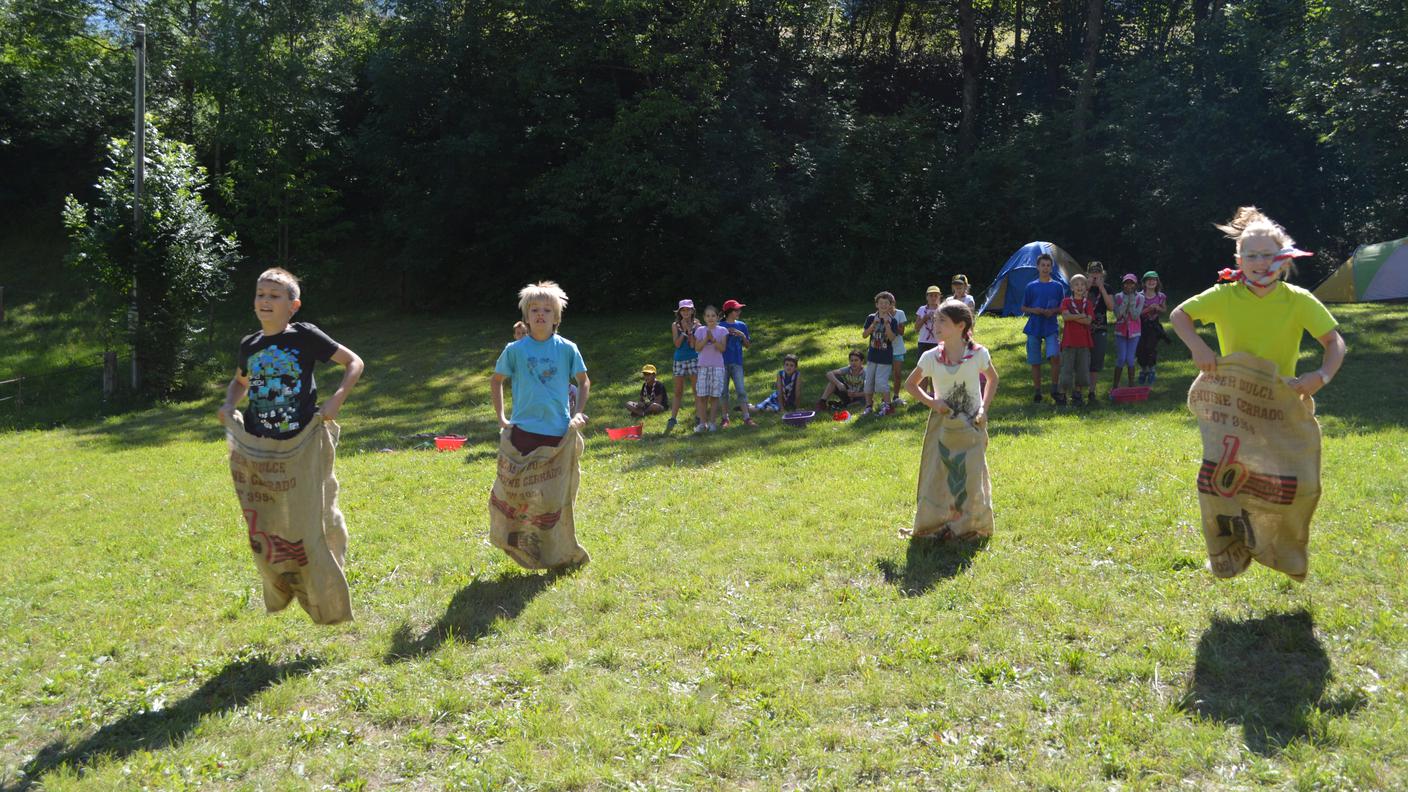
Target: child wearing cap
[[924, 319], [1129, 304], [738, 340], [653, 399], [686, 359], [1151, 329], [960, 292]]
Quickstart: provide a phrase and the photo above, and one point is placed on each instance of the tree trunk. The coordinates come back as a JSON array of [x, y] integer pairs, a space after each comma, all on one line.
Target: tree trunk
[[1085, 94], [972, 62]]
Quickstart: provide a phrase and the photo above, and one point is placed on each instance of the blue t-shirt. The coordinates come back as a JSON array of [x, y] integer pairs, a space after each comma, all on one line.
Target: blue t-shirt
[[540, 372], [1043, 295], [880, 350], [733, 352]]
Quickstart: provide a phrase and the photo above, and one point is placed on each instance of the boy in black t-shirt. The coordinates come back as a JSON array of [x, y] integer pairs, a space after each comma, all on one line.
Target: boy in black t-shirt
[[653, 399], [275, 365]]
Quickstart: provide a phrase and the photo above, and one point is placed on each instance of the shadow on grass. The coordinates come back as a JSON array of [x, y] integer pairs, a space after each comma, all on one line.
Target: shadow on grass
[[928, 561], [235, 685], [1268, 675], [472, 612]]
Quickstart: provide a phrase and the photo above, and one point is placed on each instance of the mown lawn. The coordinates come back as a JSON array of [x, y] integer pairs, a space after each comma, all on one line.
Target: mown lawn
[[750, 618]]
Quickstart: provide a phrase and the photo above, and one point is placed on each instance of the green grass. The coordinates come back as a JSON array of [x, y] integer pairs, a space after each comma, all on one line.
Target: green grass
[[749, 619]]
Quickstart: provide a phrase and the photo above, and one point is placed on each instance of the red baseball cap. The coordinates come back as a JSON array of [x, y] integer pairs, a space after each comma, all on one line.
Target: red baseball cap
[[732, 304]]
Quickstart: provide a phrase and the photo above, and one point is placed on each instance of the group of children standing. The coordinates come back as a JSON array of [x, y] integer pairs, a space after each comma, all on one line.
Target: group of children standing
[[708, 355], [1076, 345]]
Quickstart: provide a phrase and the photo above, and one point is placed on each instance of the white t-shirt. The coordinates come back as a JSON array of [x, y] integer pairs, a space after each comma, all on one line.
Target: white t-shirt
[[926, 331], [899, 339], [958, 384]]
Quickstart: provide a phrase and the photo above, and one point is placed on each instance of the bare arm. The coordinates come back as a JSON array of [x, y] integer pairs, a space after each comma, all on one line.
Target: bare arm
[[353, 372], [584, 389], [1203, 356], [1311, 382], [496, 392], [239, 386]]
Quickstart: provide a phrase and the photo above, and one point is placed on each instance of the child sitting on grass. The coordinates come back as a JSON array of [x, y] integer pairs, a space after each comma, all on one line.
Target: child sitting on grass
[[845, 386], [786, 389], [653, 399]]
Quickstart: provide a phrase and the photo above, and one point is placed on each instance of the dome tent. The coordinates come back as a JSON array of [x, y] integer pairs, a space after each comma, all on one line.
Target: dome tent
[[1374, 273], [1005, 293]]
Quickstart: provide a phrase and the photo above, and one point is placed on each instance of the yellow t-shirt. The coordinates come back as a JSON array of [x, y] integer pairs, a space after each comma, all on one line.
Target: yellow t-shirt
[[1268, 327]]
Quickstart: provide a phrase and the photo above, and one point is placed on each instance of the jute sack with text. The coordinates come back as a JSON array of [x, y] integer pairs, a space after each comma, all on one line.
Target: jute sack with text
[[530, 506], [955, 494], [288, 494], [1259, 481]]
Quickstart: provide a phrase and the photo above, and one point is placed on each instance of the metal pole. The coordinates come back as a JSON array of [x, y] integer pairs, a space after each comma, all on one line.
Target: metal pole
[[139, 168]]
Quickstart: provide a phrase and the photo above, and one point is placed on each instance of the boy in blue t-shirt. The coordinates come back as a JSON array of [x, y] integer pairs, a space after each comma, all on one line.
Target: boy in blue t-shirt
[[541, 367], [1041, 302], [738, 340]]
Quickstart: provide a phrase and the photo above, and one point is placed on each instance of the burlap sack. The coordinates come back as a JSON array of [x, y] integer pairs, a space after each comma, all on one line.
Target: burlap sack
[[955, 494], [530, 506], [288, 493], [1260, 478]]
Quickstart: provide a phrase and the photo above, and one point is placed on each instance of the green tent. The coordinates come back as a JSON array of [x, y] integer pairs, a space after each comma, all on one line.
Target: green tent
[[1375, 273]]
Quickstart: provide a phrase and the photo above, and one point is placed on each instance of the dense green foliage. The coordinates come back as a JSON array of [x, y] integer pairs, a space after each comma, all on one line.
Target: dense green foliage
[[447, 150], [153, 284]]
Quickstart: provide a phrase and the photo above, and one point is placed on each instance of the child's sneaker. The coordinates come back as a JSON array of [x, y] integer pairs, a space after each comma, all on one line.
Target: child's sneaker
[[1036, 397], [713, 427], [1143, 376], [701, 428], [1153, 372], [670, 425], [1060, 399], [897, 402], [724, 424], [748, 422], [1076, 400]]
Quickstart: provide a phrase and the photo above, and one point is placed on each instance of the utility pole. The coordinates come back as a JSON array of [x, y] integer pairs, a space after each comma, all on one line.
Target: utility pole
[[139, 166]]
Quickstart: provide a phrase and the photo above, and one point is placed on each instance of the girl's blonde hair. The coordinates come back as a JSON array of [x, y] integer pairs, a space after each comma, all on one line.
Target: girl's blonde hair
[[283, 277], [543, 291], [1250, 221]]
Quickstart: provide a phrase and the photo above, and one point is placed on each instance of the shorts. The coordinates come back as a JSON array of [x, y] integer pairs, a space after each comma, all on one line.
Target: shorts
[[528, 442], [1075, 368], [1053, 348], [710, 384], [877, 377], [687, 368], [1097, 352], [925, 346], [733, 372]]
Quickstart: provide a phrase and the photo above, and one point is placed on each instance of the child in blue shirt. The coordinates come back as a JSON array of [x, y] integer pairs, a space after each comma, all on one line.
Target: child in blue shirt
[[1041, 301], [738, 340], [540, 367]]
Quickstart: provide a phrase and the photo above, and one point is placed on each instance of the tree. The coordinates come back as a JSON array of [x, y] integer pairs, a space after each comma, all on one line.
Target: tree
[[178, 261]]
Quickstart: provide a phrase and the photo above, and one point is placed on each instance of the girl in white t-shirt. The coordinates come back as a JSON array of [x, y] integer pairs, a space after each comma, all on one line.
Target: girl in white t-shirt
[[955, 494], [954, 367]]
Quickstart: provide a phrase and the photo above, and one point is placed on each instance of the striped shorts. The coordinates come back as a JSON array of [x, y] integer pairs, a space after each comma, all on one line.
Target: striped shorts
[[686, 368]]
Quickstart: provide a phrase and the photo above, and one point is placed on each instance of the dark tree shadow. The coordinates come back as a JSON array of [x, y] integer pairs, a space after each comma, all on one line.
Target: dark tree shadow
[[1267, 674], [235, 685], [472, 612], [927, 561]]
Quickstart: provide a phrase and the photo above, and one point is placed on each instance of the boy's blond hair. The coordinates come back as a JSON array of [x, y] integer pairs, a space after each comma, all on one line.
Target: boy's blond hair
[[543, 291], [282, 276], [1078, 278]]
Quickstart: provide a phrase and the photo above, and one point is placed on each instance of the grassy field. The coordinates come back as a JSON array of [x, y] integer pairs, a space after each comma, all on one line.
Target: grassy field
[[749, 619]]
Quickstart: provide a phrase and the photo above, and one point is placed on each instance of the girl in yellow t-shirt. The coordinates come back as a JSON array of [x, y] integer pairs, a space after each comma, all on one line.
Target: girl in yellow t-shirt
[[1256, 312]]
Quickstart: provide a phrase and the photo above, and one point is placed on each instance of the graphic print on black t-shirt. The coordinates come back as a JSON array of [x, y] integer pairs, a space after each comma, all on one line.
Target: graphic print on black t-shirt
[[282, 392]]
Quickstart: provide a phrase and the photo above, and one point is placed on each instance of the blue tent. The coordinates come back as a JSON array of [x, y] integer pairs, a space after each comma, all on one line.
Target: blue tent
[[1005, 294]]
